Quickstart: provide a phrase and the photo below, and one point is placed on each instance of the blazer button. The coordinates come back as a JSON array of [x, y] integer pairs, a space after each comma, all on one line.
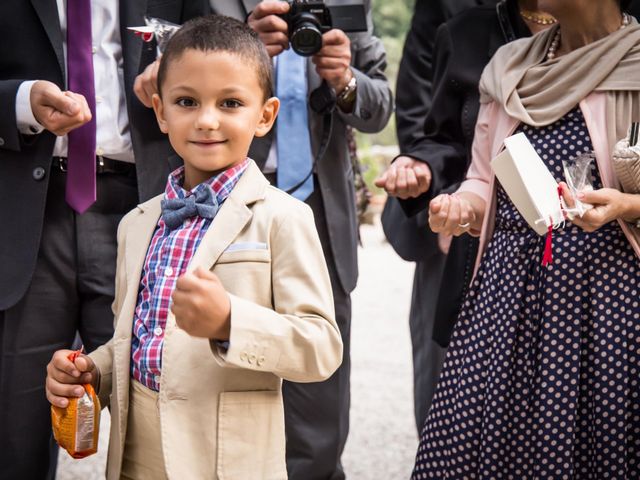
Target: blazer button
[[38, 173], [1, 141], [243, 356], [365, 114], [260, 360], [252, 358]]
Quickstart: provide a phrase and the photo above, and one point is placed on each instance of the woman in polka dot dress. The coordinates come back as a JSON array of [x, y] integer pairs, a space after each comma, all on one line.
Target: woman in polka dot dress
[[542, 377]]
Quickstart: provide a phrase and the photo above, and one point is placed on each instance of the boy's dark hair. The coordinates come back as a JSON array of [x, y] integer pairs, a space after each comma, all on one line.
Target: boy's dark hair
[[219, 33], [624, 4]]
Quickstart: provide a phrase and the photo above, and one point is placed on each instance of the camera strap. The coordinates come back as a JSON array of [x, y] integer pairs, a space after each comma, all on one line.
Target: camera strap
[[323, 102]]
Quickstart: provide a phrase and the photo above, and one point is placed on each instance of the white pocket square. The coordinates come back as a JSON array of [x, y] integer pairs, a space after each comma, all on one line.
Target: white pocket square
[[235, 247]]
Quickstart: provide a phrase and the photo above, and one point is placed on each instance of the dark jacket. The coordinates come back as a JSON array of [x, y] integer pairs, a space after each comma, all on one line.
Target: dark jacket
[[463, 47], [31, 49]]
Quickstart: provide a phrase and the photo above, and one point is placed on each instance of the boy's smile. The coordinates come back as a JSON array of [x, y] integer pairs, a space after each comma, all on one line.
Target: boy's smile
[[212, 106]]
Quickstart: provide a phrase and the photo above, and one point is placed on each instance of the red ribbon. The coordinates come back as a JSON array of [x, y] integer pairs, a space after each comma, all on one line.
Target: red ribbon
[[547, 257]]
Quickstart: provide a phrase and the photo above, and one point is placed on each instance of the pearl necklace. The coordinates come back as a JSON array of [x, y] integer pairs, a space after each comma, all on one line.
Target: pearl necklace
[[539, 18], [555, 43]]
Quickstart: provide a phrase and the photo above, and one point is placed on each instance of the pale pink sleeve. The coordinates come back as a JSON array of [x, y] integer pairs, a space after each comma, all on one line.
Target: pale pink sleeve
[[479, 174]]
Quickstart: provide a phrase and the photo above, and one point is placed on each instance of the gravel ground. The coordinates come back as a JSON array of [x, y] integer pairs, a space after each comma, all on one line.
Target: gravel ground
[[382, 441]]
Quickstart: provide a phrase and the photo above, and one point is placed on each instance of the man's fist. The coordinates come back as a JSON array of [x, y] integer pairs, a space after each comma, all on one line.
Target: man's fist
[[201, 305], [58, 111], [405, 178]]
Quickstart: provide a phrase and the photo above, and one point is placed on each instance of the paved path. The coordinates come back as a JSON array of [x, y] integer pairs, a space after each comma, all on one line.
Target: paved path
[[382, 441]]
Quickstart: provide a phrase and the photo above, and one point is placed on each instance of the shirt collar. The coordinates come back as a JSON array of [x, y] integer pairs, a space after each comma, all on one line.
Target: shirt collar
[[222, 183]]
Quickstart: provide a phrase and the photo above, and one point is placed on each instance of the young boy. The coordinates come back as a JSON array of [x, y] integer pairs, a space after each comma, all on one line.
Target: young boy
[[222, 289]]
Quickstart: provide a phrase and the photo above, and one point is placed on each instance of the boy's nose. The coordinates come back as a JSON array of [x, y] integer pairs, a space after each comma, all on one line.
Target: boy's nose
[[207, 119]]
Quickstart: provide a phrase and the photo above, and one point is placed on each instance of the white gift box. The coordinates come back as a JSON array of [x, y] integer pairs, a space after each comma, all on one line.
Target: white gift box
[[529, 184]]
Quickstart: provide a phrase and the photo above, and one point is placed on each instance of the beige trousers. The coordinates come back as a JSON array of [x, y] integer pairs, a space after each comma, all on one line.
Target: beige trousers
[[142, 458]]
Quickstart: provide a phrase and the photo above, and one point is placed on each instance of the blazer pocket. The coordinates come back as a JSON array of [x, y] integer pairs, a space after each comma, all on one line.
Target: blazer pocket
[[251, 440], [232, 256]]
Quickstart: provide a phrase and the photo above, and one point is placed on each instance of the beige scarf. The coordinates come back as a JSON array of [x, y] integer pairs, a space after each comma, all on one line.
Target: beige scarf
[[539, 92]]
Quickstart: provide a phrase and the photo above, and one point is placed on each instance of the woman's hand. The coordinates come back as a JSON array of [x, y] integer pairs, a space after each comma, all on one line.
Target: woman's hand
[[456, 214], [608, 204]]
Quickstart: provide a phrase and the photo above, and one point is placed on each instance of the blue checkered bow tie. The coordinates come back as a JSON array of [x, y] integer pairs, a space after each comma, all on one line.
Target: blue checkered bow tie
[[202, 203]]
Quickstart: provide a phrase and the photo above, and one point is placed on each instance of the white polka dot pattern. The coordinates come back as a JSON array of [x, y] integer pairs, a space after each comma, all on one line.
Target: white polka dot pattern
[[541, 377]]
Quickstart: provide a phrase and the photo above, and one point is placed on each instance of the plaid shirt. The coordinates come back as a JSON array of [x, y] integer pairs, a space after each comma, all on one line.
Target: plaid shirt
[[168, 256]]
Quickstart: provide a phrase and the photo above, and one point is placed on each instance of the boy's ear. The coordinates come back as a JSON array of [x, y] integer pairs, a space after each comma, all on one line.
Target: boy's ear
[[158, 108], [269, 114]]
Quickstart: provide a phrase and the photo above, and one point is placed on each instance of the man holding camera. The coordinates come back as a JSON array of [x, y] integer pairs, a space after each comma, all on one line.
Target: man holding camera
[[352, 65]]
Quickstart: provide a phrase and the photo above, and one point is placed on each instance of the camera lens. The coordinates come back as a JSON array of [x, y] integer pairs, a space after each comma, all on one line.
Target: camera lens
[[306, 39]]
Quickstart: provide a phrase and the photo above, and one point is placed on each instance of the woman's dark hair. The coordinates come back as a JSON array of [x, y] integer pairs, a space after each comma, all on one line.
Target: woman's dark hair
[[624, 4]]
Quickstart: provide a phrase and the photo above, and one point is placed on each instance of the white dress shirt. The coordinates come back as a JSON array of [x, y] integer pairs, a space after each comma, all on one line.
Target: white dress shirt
[[113, 139]]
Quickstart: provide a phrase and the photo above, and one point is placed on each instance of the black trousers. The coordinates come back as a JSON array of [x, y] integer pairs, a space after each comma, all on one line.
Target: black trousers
[[71, 291], [317, 414]]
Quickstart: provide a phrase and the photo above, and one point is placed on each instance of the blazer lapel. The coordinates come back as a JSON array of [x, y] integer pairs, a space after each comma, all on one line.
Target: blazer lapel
[[47, 11], [138, 238], [231, 219]]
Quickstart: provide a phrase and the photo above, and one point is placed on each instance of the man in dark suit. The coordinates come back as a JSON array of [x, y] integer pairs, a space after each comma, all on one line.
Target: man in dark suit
[[317, 414], [57, 254], [409, 234]]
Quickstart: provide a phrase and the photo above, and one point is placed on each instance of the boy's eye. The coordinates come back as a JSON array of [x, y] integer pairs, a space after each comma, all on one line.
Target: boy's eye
[[231, 103], [185, 102]]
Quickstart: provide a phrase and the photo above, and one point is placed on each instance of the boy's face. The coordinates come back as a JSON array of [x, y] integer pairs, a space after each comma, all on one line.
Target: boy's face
[[211, 107]]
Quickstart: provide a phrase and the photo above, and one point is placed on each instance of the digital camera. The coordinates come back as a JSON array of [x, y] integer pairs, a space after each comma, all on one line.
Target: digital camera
[[309, 19]]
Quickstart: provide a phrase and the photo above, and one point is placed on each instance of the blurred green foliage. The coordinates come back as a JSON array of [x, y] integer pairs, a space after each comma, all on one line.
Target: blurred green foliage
[[392, 19]]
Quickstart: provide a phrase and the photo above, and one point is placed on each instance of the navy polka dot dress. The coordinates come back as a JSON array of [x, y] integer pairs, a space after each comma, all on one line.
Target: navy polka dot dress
[[541, 377]]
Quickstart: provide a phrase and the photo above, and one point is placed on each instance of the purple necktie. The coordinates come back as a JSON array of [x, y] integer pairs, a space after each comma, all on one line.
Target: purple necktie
[[81, 155]]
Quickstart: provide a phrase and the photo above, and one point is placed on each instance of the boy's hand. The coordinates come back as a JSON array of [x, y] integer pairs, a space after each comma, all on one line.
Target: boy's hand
[[201, 305], [65, 378]]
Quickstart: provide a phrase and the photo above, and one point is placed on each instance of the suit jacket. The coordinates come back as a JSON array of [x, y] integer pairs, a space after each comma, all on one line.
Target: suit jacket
[[334, 172], [409, 234], [224, 411], [31, 49]]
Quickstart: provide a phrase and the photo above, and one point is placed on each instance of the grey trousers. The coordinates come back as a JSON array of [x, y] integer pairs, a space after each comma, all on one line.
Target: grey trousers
[[317, 414]]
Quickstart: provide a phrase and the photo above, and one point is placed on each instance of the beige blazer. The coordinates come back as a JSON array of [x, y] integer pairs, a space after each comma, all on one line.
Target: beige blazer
[[221, 414]]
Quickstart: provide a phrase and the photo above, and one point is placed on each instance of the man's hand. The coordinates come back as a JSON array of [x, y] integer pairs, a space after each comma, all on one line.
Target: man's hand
[[272, 30], [405, 178], [334, 59], [58, 111], [146, 84], [65, 378], [202, 306], [608, 204]]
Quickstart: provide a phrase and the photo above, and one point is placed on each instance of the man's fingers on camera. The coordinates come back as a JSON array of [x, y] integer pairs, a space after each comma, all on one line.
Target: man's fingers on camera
[[267, 23], [335, 37], [268, 7], [275, 39]]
